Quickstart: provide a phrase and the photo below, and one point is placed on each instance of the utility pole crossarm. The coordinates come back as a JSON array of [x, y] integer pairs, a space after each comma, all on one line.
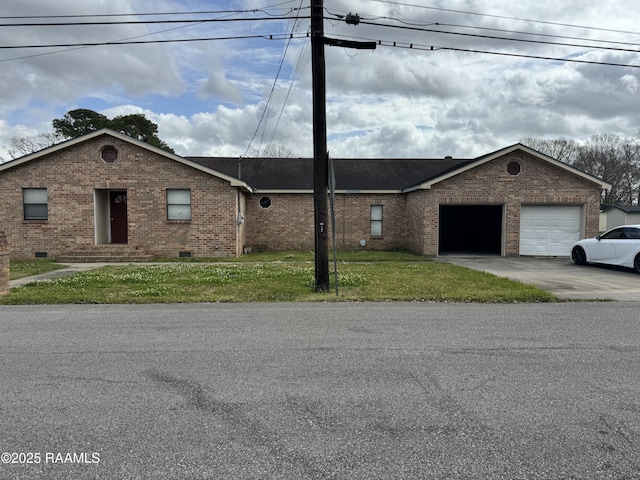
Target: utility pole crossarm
[[335, 42]]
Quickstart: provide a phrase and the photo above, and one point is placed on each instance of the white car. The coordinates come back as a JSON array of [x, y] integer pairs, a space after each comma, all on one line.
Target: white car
[[618, 246]]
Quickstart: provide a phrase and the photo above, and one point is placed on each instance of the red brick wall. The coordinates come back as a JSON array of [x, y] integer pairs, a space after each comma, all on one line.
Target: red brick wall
[[538, 183], [288, 224], [71, 177], [410, 221], [353, 221]]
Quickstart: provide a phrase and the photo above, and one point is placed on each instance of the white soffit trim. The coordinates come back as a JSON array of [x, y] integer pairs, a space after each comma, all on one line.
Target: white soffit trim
[[492, 156], [346, 192]]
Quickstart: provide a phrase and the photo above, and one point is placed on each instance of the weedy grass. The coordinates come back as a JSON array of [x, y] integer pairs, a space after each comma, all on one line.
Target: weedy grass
[[308, 256], [388, 276], [26, 268]]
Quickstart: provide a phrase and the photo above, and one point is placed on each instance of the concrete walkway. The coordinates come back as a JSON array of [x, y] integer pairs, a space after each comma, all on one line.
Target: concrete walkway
[[69, 269]]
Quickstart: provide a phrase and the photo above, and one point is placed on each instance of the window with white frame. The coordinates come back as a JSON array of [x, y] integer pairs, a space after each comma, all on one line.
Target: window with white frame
[[376, 220], [178, 204], [35, 204]]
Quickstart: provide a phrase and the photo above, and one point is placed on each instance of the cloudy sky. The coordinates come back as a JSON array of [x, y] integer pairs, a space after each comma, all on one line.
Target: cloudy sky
[[236, 96]]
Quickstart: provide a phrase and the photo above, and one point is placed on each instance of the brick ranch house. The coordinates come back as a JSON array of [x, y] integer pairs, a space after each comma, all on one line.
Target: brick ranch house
[[108, 196]]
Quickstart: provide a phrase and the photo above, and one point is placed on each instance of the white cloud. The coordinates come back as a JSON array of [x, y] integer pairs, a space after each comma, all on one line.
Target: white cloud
[[630, 83], [208, 97]]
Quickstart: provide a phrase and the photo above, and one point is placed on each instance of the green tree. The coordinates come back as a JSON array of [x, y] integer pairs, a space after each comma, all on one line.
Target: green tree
[[137, 126], [76, 123]]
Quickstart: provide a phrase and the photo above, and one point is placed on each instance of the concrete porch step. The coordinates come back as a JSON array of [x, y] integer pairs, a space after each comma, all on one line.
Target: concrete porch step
[[106, 253]]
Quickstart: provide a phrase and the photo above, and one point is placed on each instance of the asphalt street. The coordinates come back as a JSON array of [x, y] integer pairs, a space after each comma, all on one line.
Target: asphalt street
[[320, 391]]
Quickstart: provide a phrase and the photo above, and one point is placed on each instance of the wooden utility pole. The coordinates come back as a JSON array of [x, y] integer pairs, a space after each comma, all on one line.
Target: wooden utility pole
[[320, 155]]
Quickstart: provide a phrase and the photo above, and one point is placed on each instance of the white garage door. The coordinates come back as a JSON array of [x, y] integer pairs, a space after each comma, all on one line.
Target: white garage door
[[549, 231]]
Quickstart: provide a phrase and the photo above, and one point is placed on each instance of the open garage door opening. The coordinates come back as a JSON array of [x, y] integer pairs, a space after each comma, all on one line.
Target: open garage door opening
[[470, 229]]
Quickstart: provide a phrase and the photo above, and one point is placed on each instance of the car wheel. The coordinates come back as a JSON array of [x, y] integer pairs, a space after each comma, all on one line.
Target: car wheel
[[636, 263], [579, 257]]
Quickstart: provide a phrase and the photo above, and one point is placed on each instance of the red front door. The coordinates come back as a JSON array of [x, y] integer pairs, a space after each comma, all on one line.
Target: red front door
[[119, 224]]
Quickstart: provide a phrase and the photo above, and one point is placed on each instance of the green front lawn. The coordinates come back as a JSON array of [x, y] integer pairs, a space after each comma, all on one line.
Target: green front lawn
[[26, 268], [280, 277]]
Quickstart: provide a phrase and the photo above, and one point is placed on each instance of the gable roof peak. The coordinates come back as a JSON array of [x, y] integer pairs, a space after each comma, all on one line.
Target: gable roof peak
[[125, 138]]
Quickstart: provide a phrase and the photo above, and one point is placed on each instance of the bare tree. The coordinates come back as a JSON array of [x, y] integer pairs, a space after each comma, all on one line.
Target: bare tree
[[612, 158], [273, 151], [559, 148], [616, 160], [21, 146]]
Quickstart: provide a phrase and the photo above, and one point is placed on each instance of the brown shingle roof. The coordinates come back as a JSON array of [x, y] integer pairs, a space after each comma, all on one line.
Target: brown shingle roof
[[351, 174]]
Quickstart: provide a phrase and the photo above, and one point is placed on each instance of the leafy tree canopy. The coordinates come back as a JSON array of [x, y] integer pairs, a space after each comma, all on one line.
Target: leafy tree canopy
[[76, 123]]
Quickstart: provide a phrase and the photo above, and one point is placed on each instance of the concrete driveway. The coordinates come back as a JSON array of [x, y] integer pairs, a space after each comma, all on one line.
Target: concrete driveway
[[559, 276]]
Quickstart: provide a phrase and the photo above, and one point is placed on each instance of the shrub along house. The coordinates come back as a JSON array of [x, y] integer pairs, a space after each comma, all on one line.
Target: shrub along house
[[108, 196]]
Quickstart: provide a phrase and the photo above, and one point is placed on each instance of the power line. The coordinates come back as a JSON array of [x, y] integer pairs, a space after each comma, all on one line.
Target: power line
[[494, 37], [268, 103], [129, 38], [395, 44], [544, 35], [476, 27], [433, 48], [286, 98], [143, 14], [116, 15], [536, 57], [279, 36], [559, 24], [143, 22], [276, 36]]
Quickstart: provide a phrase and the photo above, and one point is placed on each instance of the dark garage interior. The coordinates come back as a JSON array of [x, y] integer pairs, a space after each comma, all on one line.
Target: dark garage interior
[[475, 229]]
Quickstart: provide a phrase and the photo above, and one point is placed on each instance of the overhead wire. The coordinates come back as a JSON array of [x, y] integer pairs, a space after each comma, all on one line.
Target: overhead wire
[[264, 116], [403, 24], [291, 82], [123, 41], [286, 98], [145, 14], [536, 34], [265, 36], [119, 40], [434, 48], [423, 26], [418, 26], [494, 37], [141, 22], [504, 17]]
